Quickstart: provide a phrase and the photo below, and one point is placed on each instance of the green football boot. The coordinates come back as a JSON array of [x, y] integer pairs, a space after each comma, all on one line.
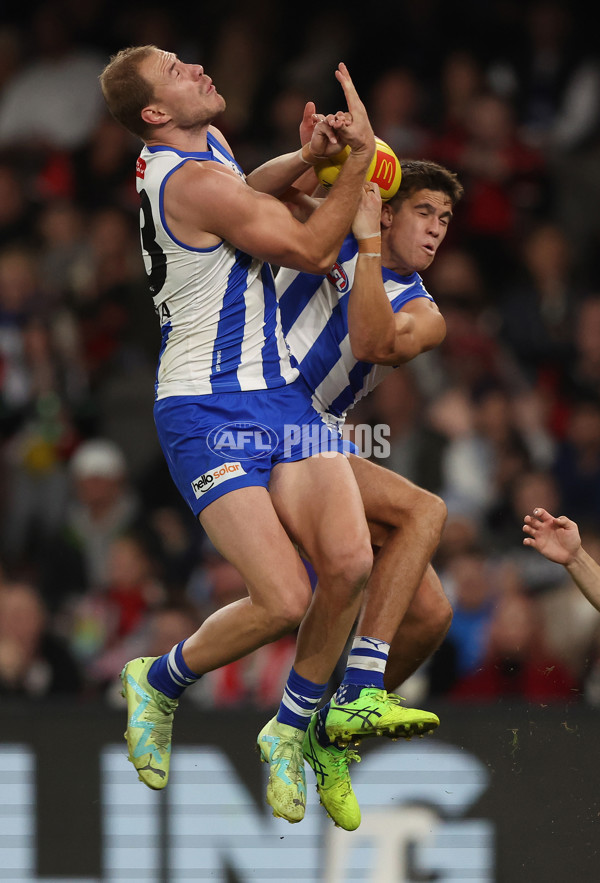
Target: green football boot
[[281, 747], [334, 787], [376, 713], [149, 724]]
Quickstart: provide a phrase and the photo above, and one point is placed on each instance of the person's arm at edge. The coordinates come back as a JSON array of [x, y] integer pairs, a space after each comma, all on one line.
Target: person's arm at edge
[[585, 573], [558, 540]]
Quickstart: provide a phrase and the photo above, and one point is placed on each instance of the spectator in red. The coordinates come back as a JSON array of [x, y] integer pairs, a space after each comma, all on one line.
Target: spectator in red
[[517, 663], [504, 180]]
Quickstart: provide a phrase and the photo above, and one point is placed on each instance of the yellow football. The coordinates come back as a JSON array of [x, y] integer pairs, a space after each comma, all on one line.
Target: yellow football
[[384, 170]]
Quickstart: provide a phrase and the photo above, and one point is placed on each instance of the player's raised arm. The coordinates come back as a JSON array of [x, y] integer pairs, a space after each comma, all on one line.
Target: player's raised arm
[[277, 174], [371, 320], [558, 539], [213, 200], [321, 136], [357, 133], [377, 333]]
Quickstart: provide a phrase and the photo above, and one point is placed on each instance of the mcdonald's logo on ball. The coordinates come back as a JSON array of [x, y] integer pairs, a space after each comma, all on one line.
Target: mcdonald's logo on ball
[[384, 170]]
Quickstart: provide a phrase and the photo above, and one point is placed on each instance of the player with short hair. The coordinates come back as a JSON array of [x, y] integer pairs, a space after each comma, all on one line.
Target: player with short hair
[[207, 240], [346, 332]]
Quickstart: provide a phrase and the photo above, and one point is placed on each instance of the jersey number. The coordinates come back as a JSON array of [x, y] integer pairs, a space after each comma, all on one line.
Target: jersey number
[[158, 272]]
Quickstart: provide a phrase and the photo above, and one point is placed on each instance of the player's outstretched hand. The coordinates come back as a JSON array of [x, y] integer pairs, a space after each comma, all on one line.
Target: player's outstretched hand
[[557, 539], [356, 130]]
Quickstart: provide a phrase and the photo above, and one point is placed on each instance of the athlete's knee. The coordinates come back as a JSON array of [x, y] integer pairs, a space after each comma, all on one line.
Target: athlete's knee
[[408, 504], [430, 614], [288, 614], [430, 510], [437, 512], [283, 609], [349, 565], [426, 514], [440, 618]]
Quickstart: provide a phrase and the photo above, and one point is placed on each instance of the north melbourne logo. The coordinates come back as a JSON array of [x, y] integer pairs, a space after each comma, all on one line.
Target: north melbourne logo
[[215, 477]]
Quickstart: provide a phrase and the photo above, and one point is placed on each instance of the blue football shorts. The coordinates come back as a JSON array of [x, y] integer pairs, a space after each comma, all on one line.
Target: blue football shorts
[[336, 424], [217, 443]]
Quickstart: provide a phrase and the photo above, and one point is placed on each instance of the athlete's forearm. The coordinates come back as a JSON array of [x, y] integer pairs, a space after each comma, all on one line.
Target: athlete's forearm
[[330, 223], [276, 175], [585, 573], [371, 324], [300, 204]]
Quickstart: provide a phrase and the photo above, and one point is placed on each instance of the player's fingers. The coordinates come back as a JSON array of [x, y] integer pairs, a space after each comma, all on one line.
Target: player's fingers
[[326, 131], [341, 118], [323, 126], [343, 75], [347, 85]]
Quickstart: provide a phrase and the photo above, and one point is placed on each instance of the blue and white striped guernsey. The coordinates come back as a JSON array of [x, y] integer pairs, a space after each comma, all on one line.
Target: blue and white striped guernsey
[[220, 323], [314, 314]]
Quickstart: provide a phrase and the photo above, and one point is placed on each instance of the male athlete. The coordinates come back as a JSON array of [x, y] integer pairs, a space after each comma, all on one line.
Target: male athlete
[[207, 238], [346, 332]]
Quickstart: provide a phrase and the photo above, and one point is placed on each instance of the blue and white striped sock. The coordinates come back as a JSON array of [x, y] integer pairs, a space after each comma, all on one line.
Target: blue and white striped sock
[[300, 700], [170, 674], [365, 668]]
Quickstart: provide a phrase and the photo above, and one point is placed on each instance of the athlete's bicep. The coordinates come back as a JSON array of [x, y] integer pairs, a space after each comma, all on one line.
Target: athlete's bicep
[[218, 202], [419, 326], [429, 327]]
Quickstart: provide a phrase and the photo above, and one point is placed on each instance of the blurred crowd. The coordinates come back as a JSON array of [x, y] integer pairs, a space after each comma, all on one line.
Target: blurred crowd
[[99, 560]]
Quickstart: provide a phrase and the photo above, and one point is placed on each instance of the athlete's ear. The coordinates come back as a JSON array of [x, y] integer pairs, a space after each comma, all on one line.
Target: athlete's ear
[[154, 116], [387, 215]]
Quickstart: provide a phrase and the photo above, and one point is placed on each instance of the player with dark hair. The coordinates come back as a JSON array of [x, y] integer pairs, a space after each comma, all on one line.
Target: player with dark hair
[[347, 331]]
